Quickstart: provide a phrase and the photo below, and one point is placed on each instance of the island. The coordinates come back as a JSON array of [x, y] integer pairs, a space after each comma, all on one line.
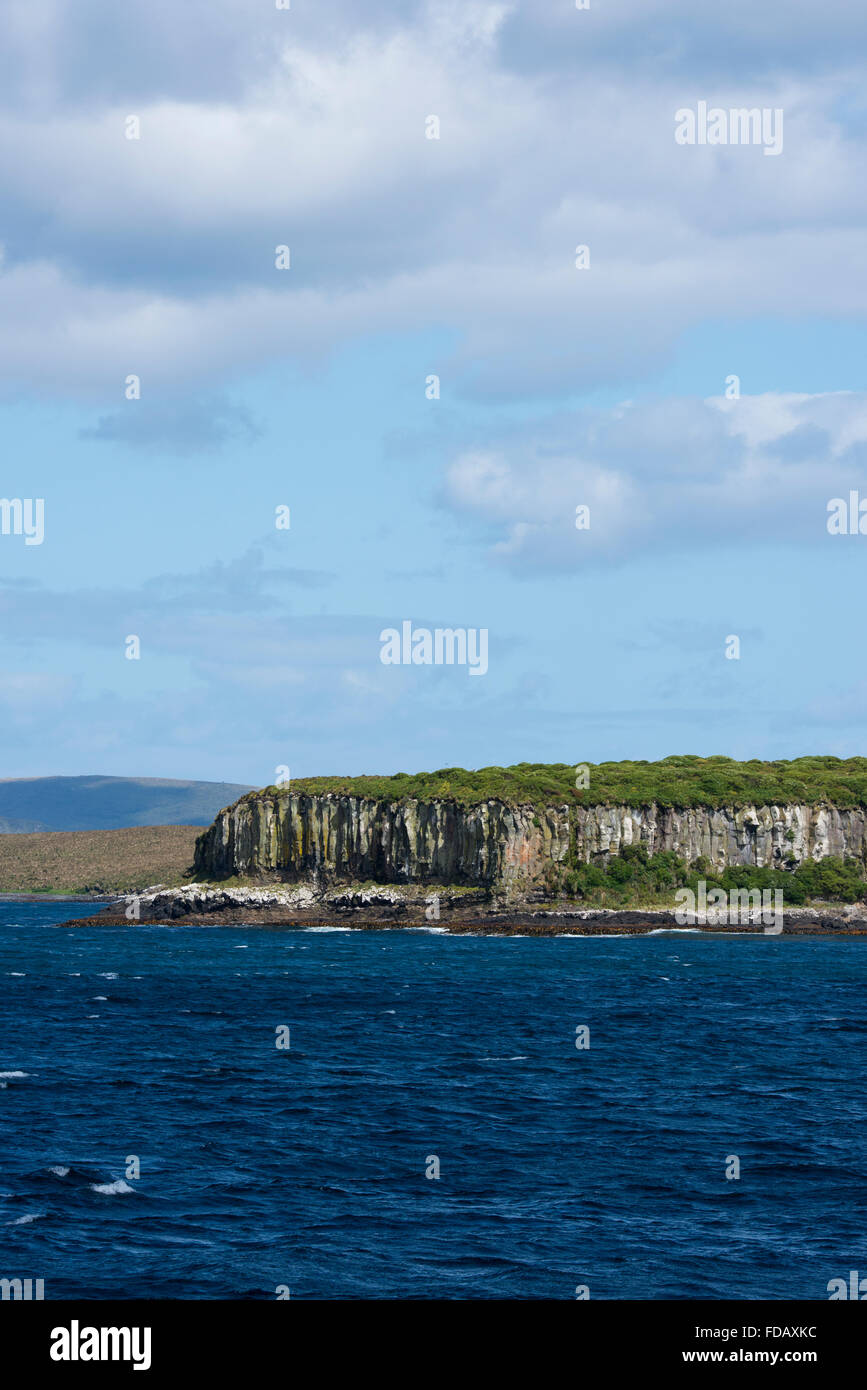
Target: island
[[537, 848]]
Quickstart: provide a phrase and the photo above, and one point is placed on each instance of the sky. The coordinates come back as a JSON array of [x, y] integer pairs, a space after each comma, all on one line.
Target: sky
[[695, 378]]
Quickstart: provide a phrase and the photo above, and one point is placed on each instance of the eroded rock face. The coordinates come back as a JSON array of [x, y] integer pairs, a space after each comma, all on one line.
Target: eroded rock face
[[766, 836], [297, 837], [346, 837]]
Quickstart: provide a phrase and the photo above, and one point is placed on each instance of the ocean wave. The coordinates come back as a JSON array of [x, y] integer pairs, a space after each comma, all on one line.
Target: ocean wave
[[327, 1220], [70, 1175], [670, 931], [596, 935], [325, 929]]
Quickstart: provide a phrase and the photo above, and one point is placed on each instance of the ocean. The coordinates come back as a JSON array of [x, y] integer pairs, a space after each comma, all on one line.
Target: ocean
[[312, 1168]]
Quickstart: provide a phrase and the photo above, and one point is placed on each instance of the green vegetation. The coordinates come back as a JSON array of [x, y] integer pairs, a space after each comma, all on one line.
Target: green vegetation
[[635, 879], [679, 782], [90, 861]]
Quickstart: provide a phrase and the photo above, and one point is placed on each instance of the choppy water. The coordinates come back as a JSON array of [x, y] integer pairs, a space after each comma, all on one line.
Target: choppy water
[[306, 1167]]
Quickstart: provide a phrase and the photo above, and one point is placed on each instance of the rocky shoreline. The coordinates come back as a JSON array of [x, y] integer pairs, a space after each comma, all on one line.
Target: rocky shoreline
[[457, 912]]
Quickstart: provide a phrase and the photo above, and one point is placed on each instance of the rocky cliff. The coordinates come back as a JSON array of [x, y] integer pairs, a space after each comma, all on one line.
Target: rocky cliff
[[331, 837]]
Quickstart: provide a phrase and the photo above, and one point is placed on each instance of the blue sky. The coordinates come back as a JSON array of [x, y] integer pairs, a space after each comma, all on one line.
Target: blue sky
[[306, 387]]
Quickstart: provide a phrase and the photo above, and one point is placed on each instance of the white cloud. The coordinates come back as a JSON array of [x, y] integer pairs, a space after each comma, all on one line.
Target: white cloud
[[157, 255], [673, 475]]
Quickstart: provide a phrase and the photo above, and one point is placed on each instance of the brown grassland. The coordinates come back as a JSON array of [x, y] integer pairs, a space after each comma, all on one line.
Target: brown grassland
[[109, 861]]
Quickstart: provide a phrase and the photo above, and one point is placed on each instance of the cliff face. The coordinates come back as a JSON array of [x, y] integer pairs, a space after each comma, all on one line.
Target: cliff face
[[765, 836], [294, 836], [347, 837]]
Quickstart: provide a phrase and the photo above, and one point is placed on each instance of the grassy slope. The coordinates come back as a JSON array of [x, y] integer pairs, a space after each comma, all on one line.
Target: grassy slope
[[680, 781], [76, 861]]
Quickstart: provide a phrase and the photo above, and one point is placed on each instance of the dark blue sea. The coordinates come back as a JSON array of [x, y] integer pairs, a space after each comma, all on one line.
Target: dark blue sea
[[305, 1167]]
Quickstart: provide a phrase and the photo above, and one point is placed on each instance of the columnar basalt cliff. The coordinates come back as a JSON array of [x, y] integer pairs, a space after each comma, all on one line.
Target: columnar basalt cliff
[[281, 835], [351, 838]]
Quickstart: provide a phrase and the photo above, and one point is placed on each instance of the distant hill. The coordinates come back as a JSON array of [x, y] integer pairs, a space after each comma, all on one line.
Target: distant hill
[[20, 827], [30, 804]]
